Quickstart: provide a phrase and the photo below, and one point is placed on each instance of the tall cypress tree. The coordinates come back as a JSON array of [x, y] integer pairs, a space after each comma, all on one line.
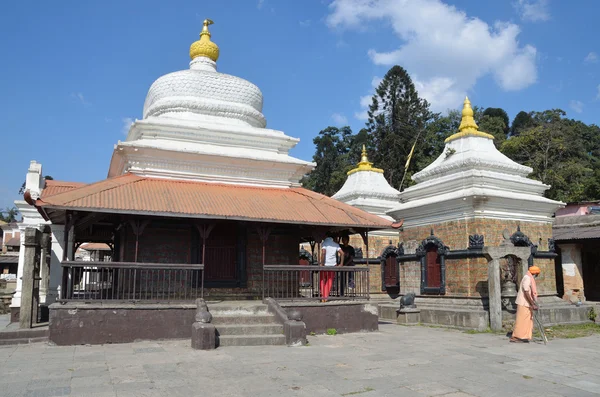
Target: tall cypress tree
[[396, 116]]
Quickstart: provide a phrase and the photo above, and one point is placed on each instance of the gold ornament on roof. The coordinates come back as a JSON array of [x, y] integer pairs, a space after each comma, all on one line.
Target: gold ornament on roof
[[204, 47], [365, 164], [468, 127]]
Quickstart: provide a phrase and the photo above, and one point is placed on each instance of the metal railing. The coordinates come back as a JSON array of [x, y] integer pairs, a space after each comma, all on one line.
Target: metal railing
[[312, 282], [131, 281]]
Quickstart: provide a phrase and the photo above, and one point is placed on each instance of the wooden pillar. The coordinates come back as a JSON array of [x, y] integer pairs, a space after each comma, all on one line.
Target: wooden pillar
[[263, 234], [31, 267], [46, 246], [204, 230]]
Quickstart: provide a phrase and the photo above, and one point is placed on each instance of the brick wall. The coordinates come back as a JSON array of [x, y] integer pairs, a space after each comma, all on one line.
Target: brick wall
[[160, 244], [468, 277], [281, 249]]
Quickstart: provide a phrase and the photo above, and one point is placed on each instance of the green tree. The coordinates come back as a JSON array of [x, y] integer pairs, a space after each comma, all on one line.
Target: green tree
[[522, 121], [332, 158], [9, 215], [495, 126], [553, 147], [498, 113], [396, 117]]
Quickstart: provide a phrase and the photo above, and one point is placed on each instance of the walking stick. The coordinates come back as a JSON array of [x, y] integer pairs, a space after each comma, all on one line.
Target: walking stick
[[540, 326]]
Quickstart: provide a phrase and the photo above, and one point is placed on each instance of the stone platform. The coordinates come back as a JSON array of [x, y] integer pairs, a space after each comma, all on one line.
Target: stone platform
[[464, 313]]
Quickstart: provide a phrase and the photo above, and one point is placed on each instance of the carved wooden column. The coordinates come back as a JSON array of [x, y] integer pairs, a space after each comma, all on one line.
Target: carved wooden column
[[31, 271]]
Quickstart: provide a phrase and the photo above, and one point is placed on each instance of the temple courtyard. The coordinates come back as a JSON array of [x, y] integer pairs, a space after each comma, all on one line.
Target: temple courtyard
[[396, 361]]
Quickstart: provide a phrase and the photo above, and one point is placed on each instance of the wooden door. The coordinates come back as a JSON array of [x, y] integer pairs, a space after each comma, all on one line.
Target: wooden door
[[390, 272], [220, 259], [434, 268]]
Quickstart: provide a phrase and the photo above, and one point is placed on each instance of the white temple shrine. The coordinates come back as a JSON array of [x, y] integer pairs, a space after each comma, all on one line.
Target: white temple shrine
[[471, 179], [202, 125]]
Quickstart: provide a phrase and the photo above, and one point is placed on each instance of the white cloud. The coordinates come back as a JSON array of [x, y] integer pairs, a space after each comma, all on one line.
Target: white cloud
[[339, 119], [576, 106], [592, 57], [532, 10], [306, 23], [445, 50], [79, 96], [261, 4], [127, 122]]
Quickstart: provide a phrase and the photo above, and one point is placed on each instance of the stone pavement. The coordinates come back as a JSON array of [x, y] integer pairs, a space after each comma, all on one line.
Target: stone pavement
[[397, 361]]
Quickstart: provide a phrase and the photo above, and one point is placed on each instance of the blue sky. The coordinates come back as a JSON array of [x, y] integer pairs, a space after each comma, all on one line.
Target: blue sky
[[74, 72]]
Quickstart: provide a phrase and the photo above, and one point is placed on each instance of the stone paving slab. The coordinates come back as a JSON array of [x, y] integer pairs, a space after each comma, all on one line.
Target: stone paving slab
[[396, 361]]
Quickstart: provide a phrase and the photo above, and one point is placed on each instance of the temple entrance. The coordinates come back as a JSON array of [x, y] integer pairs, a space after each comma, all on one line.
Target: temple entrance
[[390, 270], [220, 264], [434, 268], [591, 273]]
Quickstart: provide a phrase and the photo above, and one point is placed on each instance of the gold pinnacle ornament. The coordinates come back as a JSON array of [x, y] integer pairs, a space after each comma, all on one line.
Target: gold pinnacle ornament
[[468, 127], [205, 47], [365, 164]]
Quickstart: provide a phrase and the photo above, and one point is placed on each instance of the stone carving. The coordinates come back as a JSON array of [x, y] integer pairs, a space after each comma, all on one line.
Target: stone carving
[[390, 250], [400, 249], [359, 253], [520, 239], [476, 241], [408, 301], [441, 248], [551, 245], [304, 254], [202, 313]]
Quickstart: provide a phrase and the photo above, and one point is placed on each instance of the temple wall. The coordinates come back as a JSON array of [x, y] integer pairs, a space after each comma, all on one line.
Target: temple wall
[[468, 277], [281, 249]]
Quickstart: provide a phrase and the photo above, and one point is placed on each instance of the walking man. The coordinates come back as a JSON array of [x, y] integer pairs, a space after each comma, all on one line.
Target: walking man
[[526, 304]]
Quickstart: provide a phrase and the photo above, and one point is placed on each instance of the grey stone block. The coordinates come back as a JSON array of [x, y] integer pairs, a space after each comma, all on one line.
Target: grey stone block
[[295, 333], [203, 336], [408, 316]]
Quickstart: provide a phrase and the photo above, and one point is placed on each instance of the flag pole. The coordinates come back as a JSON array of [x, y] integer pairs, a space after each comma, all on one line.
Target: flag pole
[[412, 150]]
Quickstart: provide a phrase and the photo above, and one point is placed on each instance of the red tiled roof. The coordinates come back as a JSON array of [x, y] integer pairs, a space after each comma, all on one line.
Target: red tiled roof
[[13, 242], [55, 187], [133, 194]]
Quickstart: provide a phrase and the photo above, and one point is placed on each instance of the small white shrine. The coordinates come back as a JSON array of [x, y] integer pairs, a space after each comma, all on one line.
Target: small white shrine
[[473, 179]]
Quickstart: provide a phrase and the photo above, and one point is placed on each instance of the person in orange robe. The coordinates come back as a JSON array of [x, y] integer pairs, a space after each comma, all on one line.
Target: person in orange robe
[[526, 304]]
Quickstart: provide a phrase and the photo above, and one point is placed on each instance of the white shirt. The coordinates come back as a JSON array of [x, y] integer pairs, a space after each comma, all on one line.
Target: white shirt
[[331, 248]]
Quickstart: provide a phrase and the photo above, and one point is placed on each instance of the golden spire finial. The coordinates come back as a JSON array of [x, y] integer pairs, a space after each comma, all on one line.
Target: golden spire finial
[[467, 123], [205, 27], [363, 157], [364, 164], [468, 126], [204, 47]]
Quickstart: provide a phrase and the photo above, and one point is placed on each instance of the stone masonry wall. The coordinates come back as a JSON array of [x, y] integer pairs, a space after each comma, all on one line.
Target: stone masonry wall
[[376, 246], [468, 277], [281, 249]]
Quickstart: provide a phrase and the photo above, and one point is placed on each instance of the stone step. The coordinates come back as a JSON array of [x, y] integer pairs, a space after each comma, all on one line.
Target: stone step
[[237, 308], [24, 333], [22, 341], [250, 329], [264, 319], [251, 340]]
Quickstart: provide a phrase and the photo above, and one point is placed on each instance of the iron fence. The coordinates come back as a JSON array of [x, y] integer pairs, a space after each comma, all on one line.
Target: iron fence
[[131, 281], [314, 282]]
